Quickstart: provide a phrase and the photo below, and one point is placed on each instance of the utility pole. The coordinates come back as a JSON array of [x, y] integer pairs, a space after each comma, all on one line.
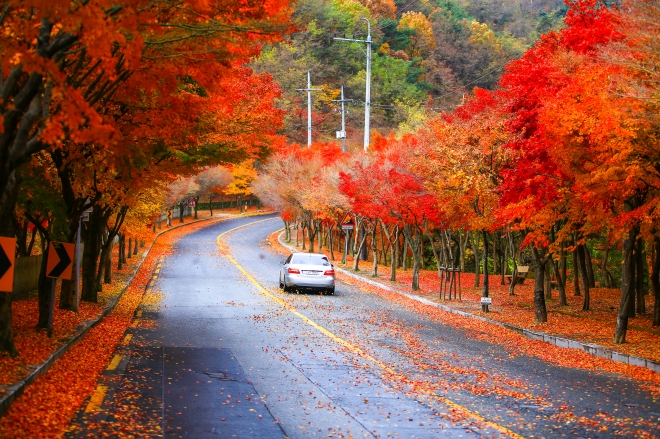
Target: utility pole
[[342, 134], [367, 98], [309, 91]]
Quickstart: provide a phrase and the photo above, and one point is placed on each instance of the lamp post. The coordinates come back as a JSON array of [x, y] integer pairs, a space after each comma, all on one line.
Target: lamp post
[[367, 98], [342, 134], [309, 91]]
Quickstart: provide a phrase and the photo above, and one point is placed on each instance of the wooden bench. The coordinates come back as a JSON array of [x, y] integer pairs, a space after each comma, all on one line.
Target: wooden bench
[[522, 274]]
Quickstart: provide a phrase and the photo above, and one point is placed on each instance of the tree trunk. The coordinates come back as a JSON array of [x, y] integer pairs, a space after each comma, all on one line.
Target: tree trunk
[[374, 271], [90, 256], [344, 253], [626, 287], [655, 281], [394, 250], [589, 266], [182, 207], [463, 237], [120, 252], [103, 260], [9, 188], [504, 262], [484, 289], [561, 283], [514, 254], [582, 262], [422, 262], [107, 275], [540, 312], [414, 243], [475, 250], [547, 286], [639, 280], [363, 235], [633, 283], [129, 255], [331, 243], [563, 264], [433, 246], [43, 291], [603, 267], [494, 236], [196, 204], [123, 248], [358, 250], [404, 254], [576, 270]]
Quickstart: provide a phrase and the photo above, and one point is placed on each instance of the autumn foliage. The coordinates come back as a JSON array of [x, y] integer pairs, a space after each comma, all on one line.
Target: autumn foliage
[[103, 105], [556, 169]]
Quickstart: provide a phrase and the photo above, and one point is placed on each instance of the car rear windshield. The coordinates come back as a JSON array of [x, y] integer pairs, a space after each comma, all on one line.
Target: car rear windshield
[[310, 260]]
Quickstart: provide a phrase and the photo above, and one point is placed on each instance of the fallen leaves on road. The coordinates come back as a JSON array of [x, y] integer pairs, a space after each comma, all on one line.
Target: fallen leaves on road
[[47, 406], [596, 326]]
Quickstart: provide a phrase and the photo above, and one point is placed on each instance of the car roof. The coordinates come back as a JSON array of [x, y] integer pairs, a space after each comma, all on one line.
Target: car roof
[[309, 254]]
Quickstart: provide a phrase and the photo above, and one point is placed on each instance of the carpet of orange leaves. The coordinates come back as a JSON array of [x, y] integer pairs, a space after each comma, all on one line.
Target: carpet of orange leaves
[[595, 326], [47, 406]]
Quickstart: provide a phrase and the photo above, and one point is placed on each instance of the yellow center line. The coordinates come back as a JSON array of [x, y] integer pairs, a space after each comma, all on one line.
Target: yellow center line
[[114, 363], [97, 399], [397, 376]]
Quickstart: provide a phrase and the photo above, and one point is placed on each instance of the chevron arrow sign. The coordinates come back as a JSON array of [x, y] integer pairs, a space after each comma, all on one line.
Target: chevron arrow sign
[[60, 257], [7, 251]]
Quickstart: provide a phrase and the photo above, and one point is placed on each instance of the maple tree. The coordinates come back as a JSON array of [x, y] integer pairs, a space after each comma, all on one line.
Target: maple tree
[[211, 182], [243, 174], [386, 188], [460, 158], [134, 102]]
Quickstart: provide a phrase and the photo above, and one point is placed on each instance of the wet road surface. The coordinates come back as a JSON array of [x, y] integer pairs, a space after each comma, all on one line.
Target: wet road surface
[[220, 351]]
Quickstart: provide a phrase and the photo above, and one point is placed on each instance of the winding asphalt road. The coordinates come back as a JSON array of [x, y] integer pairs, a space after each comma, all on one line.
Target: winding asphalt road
[[225, 353]]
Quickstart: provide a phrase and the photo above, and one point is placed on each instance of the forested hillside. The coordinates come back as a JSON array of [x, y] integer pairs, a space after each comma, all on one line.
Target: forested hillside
[[426, 55]]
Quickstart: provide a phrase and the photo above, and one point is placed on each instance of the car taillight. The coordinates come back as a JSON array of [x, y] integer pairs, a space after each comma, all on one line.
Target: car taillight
[[329, 273], [294, 271]]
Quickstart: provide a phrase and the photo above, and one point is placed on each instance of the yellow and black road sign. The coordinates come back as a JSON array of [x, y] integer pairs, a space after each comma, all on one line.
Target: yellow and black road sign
[[347, 223], [60, 260], [7, 252]]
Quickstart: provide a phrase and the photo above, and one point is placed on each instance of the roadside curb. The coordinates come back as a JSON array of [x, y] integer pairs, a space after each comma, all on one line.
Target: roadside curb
[[589, 348], [15, 390]]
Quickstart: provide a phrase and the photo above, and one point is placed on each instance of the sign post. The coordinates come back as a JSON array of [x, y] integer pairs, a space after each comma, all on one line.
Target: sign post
[[84, 217], [7, 253], [346, 225], [58, 266], [485, 301]]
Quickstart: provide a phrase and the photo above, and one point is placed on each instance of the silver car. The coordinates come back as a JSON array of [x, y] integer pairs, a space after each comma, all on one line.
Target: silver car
[[306, 271]]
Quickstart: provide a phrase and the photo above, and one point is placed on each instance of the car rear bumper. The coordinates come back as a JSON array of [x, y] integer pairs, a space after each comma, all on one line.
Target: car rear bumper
[[302, 281]]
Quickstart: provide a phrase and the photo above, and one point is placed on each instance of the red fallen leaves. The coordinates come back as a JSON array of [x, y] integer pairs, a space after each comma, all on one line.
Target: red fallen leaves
[[47, 406], [595, 326]]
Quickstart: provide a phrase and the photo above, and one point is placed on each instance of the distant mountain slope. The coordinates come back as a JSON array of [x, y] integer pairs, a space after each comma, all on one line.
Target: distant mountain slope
[[426, 55]]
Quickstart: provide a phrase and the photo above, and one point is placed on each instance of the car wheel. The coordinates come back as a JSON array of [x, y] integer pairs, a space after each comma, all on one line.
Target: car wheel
[[331, 291]]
